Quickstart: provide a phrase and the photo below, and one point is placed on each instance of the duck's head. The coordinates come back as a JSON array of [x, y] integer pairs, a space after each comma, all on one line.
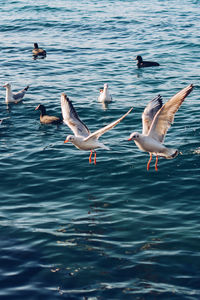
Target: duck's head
[[70, 138], [36, 45], [139, 58], [41, 108], [7, 85], [134, 136]]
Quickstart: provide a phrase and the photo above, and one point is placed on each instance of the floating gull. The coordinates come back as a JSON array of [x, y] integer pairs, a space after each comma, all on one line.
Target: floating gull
[[14, 97], [157, 119], [104, 95], [83, 139]]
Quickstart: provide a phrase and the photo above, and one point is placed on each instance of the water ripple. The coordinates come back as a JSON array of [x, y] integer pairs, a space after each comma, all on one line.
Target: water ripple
[[112, 231]]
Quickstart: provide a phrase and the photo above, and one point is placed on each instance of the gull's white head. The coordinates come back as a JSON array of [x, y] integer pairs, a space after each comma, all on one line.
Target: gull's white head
[[69, 138], [7, 85], [105, 85], [135, 136]]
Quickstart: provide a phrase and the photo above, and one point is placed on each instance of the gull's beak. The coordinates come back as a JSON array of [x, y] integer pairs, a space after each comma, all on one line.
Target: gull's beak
[[130, 139], [4, 85], [66, 141]]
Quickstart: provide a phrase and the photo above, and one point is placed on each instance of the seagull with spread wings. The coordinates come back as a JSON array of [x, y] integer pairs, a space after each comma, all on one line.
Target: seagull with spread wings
[[83, 139], [157, 119]]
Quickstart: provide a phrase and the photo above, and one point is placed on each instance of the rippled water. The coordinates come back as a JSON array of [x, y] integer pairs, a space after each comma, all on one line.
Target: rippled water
[[71, 230]]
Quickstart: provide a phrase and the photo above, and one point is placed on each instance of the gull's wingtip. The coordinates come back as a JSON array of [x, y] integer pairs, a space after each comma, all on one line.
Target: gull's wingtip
[[130, 110], [182, 94], [189, 88], [63, 95], [63, 98], [126, 114]]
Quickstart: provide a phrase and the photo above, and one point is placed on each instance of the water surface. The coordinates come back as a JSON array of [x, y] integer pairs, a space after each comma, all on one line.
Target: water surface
[[71, 230]]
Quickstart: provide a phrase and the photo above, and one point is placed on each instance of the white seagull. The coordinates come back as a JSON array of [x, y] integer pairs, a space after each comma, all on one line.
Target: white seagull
[[104, 95], [83, 139], [14, 97], [157, 119]]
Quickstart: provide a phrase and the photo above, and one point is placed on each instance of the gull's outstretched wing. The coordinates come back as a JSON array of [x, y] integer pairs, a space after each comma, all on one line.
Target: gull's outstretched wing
[[149, 113], [98, 133], [71, 118], [165, 116]]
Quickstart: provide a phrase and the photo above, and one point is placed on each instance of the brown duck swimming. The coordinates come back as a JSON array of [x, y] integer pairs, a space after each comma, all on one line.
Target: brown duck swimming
[[143, 64], [38, 52], [44, 118]]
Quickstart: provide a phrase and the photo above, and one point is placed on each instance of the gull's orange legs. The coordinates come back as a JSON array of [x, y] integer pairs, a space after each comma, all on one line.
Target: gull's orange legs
[[90, 157], [95, 157], [148, 165], [156, 164]]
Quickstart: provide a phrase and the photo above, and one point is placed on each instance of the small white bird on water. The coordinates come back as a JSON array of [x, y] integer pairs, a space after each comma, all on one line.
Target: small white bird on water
[[83, 139], [104, 95], [157, 119], [14, 97]]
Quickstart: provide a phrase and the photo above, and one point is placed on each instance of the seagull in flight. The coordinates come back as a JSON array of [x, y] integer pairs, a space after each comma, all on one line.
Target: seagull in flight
[[157, 119], [83, 139]]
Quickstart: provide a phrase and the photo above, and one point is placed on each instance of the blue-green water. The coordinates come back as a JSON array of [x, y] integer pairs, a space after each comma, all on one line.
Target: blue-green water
[[71, 230]]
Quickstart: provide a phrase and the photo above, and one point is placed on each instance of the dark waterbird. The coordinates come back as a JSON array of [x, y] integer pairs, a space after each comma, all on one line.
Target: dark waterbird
[[144, 64], [157, 119], [44, 118], [38, 52]]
